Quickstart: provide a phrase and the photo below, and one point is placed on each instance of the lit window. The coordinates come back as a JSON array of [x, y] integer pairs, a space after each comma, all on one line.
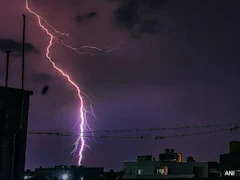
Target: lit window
[[140, 171], [160, 171]]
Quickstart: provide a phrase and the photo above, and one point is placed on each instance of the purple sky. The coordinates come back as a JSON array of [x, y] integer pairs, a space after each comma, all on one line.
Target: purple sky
[[178, 66]]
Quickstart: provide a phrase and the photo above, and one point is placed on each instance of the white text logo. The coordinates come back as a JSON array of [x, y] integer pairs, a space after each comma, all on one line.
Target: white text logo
[[229, 173]]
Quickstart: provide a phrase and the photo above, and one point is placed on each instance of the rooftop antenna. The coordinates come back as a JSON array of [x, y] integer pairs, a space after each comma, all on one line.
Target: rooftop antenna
[[23, 49], [7, 67]]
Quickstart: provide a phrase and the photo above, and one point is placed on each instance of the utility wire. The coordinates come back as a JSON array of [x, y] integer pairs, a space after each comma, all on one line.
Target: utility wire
[[151, 129], [234, 128]]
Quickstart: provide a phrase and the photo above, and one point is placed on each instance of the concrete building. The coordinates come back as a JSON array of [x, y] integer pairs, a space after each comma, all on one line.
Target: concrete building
[[230, 163], [14, 104], [171, 166], [67, 173]]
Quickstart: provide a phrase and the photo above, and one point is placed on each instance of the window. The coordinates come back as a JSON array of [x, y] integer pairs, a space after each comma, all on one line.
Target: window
[[140, 171], [160, 171]]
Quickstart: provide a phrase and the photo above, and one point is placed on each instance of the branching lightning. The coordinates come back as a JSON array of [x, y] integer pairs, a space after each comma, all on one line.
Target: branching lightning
[[54, 34]]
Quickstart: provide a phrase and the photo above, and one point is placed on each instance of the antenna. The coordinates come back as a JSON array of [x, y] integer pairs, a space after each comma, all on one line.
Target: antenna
[[23, 50], [7, 67]]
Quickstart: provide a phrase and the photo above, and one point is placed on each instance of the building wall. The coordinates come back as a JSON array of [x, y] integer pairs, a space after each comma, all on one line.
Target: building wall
[[147, 167], [167, 177], [202, 169], [130, 169], [179, 168], [229, 161], [14, 105]]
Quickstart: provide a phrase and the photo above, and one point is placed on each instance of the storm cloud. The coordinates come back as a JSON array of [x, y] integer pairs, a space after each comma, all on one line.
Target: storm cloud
[[41, 77], [85, 17], [129, 15], [15, 46]]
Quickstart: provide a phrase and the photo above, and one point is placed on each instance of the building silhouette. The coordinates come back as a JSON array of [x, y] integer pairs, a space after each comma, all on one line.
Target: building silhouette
[[14, 104], [66, 173], [169, 166], [230, 163]]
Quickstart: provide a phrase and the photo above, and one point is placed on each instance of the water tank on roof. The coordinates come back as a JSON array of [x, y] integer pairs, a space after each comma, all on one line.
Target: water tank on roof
[[166, 151], [169, 151], [144, 158], [234, 147]]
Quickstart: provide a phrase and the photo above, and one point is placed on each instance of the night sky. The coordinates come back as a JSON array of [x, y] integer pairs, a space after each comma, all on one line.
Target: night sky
[[178, 65]]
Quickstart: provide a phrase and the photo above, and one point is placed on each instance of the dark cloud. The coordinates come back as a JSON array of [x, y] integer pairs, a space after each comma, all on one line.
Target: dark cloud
[[92, 14], [149, 3], [85, 17], [15, 46], [41, 78], [134, 16], [150, 26], [40, 1], [155, 3], [78, 19], [127, 15]]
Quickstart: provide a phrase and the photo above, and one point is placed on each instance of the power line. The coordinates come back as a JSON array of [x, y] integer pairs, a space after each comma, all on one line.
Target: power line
[[140, 137], [152, 129]]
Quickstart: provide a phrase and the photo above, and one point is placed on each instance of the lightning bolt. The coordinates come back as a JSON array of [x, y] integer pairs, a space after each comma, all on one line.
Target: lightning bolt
[[82, 111]]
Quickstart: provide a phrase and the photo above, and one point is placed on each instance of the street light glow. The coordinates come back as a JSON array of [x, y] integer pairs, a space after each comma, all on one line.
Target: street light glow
[[65, 177]]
